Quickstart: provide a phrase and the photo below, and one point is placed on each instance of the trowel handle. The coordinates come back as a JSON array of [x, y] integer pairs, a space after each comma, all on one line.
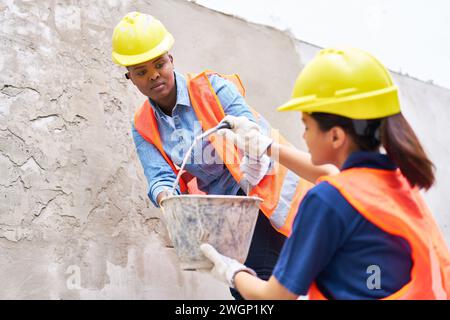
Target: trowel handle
[[224, 125]]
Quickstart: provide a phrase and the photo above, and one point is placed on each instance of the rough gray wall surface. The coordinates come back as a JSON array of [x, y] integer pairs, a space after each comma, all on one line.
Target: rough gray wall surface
[[75, 221]]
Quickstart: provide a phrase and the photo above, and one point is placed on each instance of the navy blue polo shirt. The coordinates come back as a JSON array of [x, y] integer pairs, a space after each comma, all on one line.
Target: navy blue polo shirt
[[335, 246]]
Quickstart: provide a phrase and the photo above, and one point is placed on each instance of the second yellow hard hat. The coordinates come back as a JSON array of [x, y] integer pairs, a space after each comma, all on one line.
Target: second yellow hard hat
[[347, 82], [138, 38]]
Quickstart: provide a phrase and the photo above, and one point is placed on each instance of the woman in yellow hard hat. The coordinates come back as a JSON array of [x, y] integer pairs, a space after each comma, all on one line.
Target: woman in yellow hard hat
[[177, 109], [365, 233]]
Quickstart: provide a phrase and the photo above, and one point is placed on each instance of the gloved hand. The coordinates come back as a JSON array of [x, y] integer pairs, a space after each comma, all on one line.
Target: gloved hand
[[246, 135], [224, 268], [254, 170]]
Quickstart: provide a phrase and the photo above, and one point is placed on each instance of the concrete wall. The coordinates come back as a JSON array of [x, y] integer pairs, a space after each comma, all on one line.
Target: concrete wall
[[75, 221]]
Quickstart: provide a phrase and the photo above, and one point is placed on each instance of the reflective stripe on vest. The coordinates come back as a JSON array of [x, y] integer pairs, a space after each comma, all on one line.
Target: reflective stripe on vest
[[280, 189], [294, 189], [386, 199]]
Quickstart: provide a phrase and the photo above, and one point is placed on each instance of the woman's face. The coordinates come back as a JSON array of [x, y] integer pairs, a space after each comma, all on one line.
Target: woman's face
[[154, 78], [320, 143]]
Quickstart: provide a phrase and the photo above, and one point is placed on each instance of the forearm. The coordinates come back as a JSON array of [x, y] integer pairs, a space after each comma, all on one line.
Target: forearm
[[250, 287], [244, 279], [160, 188], [253, 288], [299, 162]]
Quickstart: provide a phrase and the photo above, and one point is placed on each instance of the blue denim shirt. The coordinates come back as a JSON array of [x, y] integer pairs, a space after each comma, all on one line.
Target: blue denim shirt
[[177, 134]]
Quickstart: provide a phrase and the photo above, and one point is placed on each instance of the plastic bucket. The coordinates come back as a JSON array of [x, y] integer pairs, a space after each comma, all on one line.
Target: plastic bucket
[[225, 222]]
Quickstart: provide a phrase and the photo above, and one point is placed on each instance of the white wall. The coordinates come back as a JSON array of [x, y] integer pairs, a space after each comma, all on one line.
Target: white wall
[[409, 36]]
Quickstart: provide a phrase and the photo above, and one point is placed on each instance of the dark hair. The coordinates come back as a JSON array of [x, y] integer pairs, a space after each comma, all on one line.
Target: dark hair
[[396, 136]]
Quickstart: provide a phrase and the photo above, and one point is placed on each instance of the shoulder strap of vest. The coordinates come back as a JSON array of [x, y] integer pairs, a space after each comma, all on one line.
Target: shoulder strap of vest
[[233, 78], [209, 111]]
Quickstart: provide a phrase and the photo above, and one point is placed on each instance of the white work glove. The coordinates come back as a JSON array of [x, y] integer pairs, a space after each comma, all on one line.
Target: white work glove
[[224, 268], [254, 170], [246, 135]]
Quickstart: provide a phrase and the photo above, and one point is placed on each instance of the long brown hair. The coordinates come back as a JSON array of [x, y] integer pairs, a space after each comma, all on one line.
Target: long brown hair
[[396, 136]]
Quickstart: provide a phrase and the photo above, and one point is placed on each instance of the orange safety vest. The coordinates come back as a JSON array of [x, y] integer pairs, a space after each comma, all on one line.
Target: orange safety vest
[[281, 190], [385, 198]]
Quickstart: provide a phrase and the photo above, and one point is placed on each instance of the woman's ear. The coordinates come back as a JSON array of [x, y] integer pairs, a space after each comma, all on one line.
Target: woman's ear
[[338, 137]]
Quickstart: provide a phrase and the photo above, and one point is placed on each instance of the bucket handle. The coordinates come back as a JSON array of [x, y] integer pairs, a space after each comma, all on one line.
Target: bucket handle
[[221, 125]]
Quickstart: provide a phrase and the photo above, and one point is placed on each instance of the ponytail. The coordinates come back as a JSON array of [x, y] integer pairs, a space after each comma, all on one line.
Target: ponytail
[[405, 150], [397, 138]]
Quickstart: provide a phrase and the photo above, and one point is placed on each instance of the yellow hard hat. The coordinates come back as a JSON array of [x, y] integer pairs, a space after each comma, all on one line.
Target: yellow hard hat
[[346, 82], [139, 38]]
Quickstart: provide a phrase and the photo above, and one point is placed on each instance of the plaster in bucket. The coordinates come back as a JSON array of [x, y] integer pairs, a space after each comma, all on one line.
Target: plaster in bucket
[[226, 222]]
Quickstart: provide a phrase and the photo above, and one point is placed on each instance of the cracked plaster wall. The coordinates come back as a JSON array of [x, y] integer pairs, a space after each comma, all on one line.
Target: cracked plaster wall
[[75, 221]]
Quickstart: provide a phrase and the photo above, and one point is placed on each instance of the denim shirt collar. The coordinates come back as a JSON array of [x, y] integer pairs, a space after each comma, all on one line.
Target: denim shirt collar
[[182, 95]]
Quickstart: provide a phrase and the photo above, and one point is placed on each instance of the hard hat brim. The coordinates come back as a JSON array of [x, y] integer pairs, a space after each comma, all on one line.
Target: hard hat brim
[[131, 60], [373, 105]]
